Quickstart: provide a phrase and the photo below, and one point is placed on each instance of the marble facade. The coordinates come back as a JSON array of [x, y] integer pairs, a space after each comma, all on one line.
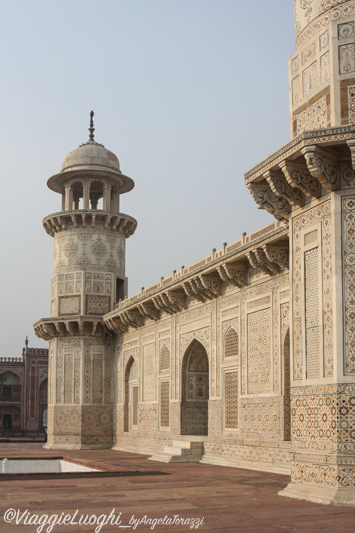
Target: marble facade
[[245, 358]]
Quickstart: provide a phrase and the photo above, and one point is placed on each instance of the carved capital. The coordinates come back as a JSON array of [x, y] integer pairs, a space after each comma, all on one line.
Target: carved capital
[[323, 166], [282, 189], [298, 176]]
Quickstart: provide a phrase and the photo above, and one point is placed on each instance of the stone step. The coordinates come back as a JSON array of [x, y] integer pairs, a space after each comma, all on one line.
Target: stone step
[[181, 451]]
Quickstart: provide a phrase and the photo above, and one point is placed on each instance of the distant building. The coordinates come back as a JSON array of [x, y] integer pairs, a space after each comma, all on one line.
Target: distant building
[[23, 393]]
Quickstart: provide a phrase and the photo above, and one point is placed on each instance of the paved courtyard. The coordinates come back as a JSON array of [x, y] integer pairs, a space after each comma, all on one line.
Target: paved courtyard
[[227, 499]]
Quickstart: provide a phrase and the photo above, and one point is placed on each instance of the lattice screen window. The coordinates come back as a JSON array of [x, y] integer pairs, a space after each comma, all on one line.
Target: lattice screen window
[[231, 399], [164, 404], [164, 360], [231, 343]]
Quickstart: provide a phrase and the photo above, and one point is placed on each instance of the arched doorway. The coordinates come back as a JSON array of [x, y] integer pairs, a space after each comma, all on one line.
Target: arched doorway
[[131, 395], [195, 390]]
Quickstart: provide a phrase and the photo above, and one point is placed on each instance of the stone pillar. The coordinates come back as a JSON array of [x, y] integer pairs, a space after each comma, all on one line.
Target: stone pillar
[[323, 355], [86, 194]]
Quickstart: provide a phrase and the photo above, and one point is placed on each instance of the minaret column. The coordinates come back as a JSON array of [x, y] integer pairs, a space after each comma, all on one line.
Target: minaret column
[[89, 263]]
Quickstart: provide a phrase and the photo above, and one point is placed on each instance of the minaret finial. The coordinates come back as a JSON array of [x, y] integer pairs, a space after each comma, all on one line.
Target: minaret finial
[[91, 129]]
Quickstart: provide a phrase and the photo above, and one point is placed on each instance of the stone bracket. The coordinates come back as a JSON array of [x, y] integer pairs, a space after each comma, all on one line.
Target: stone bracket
[[261, 259], [280, 208], [235, 274], [283, 189], [132, 318], [298, 176], [50, 328], [276, 255], [149, 310], [323, 166]]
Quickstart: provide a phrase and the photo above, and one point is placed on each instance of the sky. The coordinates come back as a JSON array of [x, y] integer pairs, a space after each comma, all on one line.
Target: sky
[[189, 94]]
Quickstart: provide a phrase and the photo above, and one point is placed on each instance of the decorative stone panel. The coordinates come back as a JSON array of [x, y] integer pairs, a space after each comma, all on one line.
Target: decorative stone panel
[[97, 305], [348, 212], [69, 305], [306, 223], [164, 404], [231, 397], [259, 351], [262, 417]]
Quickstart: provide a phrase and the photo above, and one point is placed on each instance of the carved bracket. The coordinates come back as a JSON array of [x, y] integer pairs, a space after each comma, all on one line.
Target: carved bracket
[[233, 273], [149, 310], [298, 176], [280, 208], [132, 318], [282, 189], [276, 255], [323, 166], [260, 260]]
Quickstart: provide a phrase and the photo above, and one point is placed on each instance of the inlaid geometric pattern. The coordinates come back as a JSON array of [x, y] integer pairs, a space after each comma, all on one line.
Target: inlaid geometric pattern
[[317, 214], [164, 404], [231, 399], [134, 406], [69, 306], [351, 103], [231, 343], [97, 305], [314, 117], [259, 351], [148, 372], [68, 374], [349, 282], [311, 277], [262, 418], [164, 360], [97, 361]]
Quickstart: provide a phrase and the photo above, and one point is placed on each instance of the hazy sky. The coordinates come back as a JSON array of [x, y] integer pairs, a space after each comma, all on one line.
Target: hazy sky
[[189, 94]]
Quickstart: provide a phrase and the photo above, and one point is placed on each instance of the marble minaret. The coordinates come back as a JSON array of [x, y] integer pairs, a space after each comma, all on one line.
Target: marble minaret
[[88, 279]]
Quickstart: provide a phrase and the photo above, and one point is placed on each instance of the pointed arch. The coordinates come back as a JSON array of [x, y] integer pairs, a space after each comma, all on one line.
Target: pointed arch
[[231, 343], [164, 359], [9, 378], [195, 390]]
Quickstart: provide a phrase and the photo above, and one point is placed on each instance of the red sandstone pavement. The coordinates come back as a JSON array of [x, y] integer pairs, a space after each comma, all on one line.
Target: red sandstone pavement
[[227, 499]]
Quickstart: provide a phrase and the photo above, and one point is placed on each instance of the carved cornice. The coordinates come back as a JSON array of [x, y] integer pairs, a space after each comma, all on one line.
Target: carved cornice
[[230, 269], [50, 328], [120, 223], [289, 152]]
